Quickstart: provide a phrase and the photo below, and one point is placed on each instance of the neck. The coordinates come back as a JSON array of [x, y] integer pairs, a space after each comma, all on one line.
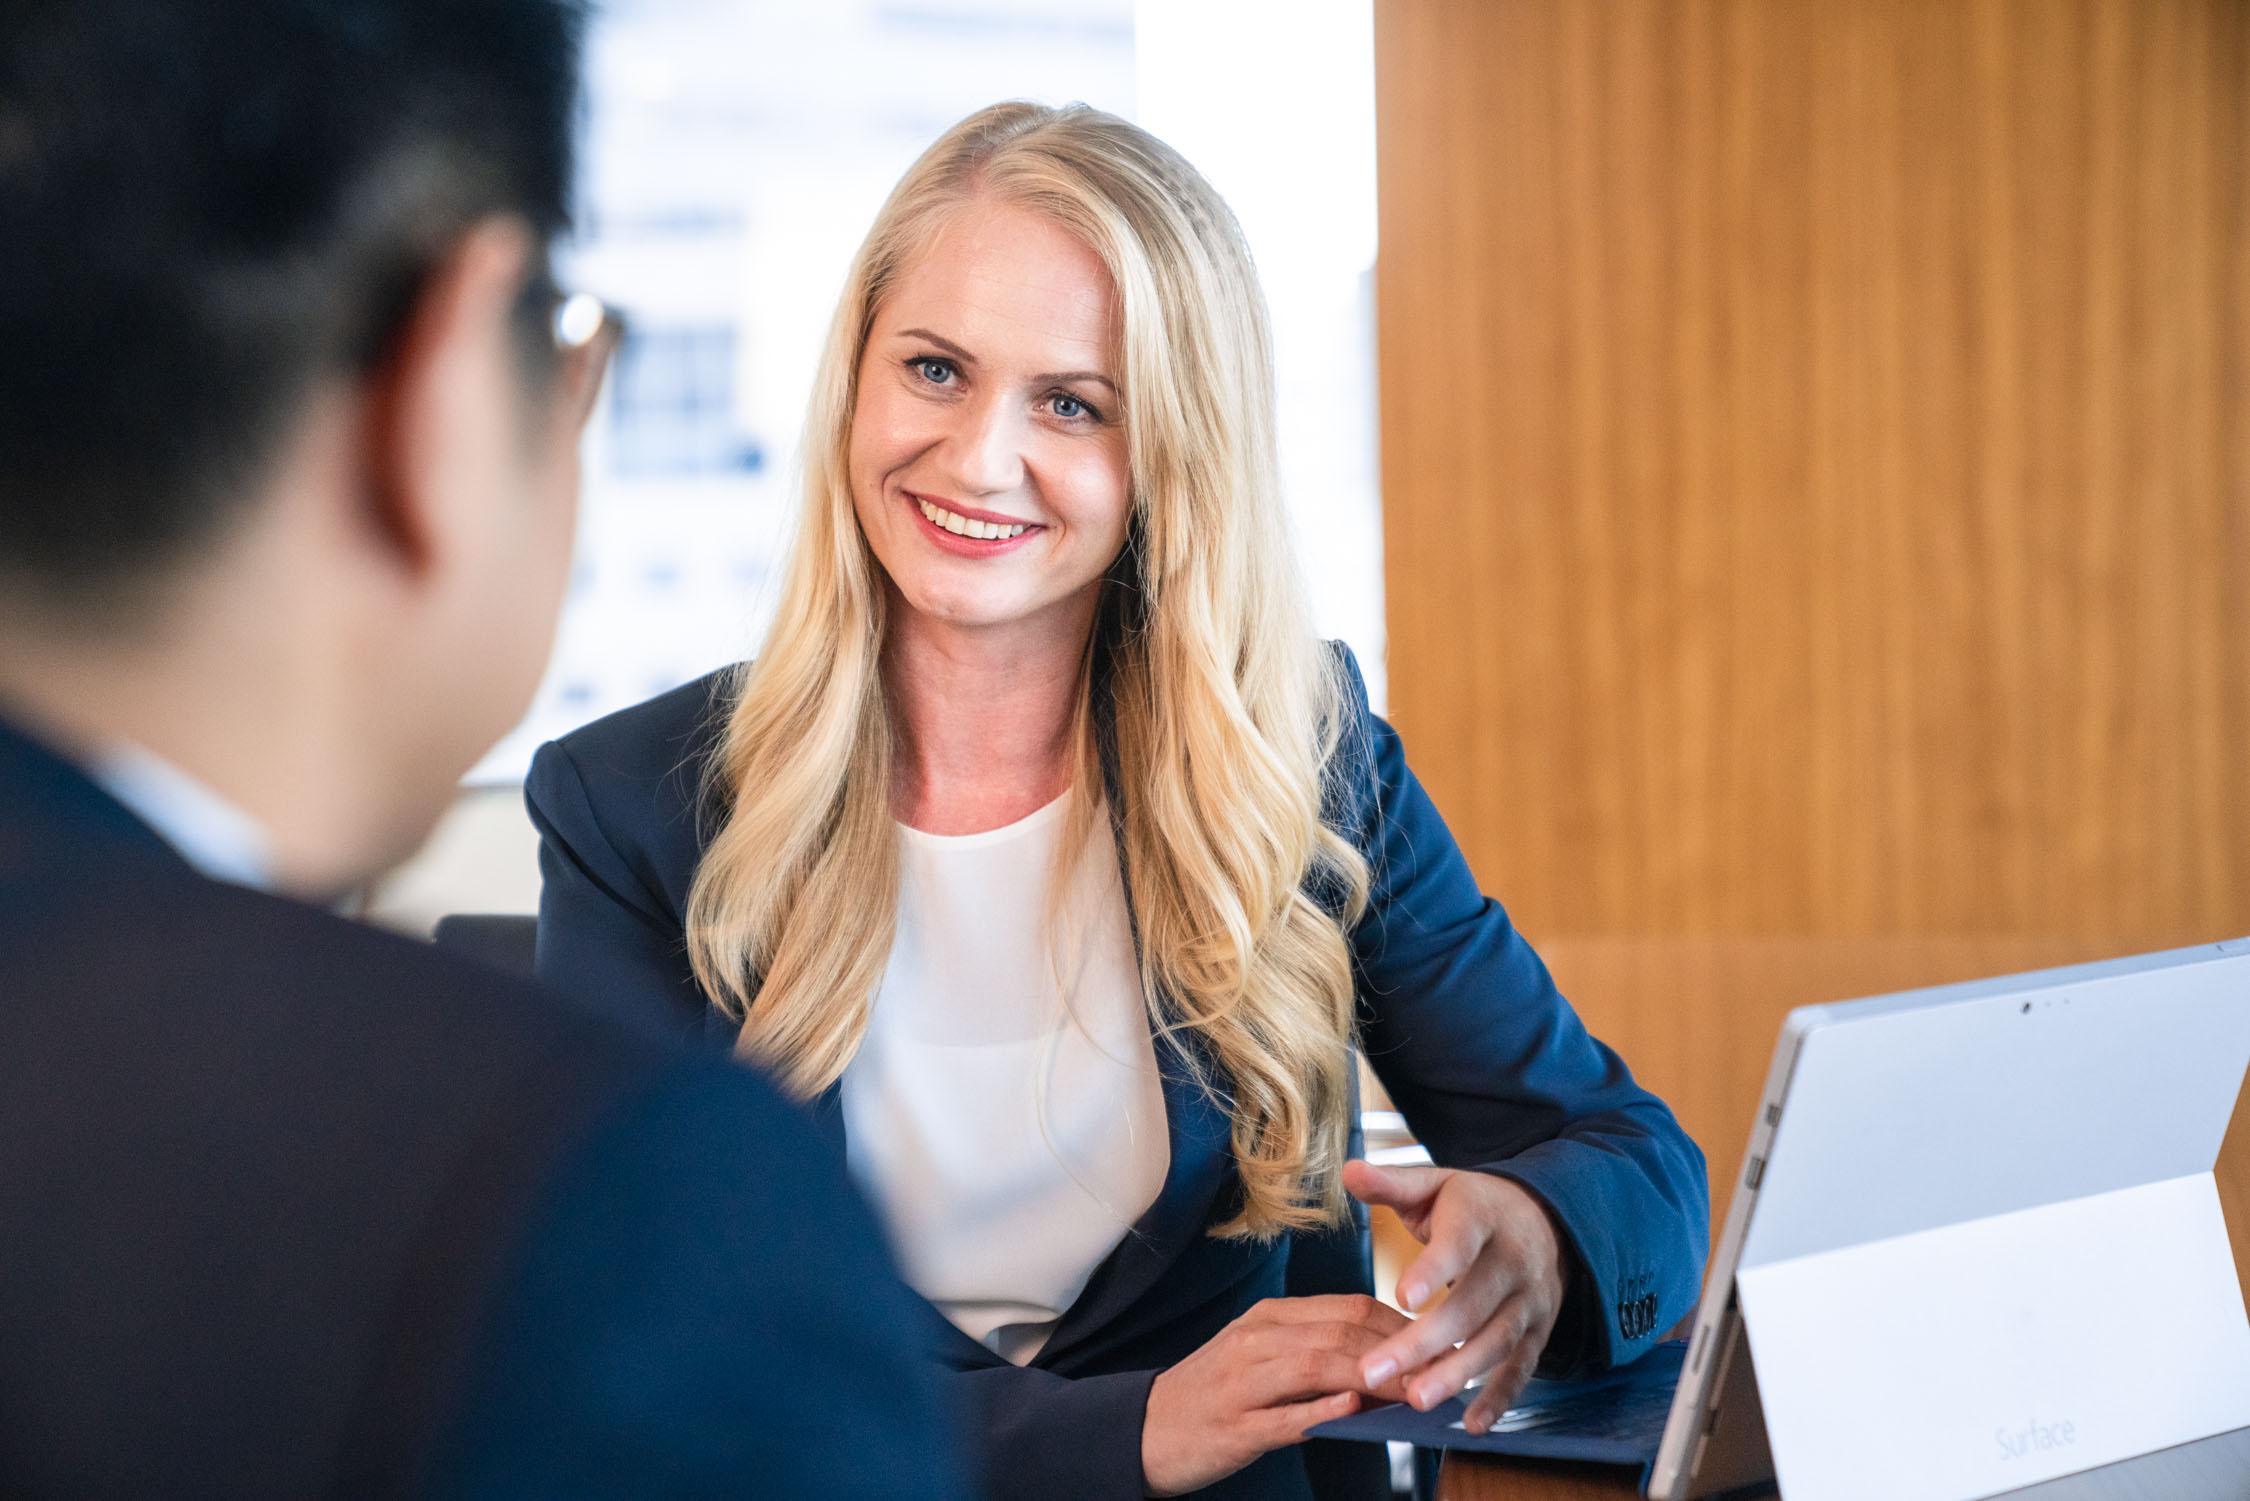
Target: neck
[[255, 714], [983, 716]]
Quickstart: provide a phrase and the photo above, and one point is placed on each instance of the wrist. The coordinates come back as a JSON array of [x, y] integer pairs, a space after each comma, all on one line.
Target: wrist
[[1157, 1460]]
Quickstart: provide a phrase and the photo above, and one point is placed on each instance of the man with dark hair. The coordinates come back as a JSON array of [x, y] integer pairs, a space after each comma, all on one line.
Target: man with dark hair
[[287, 473]]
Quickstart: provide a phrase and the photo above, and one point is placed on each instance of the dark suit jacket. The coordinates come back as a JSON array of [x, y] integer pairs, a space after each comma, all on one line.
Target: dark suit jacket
[[1459, 1019], [290, 1207]]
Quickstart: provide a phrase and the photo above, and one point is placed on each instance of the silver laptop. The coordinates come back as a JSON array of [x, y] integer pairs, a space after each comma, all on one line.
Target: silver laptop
[[1975, 1243], [1975, 1246]]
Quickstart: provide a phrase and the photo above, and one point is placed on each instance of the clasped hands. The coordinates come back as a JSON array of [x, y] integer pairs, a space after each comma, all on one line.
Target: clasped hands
[[1289, 1363]]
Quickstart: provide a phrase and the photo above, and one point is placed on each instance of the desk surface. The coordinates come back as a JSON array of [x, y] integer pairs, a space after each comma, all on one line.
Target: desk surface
[[2214, 1469], [1696, 1019], [1484, 1477]]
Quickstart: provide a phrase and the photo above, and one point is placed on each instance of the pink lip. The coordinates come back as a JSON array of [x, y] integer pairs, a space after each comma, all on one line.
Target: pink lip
[[969, 547]]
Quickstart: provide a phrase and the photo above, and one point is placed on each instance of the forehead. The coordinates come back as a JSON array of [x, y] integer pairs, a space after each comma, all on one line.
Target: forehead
[[1007, 285]]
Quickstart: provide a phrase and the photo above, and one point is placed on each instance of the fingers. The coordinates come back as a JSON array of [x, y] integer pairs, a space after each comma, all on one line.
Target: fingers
[[1429, 1338], [1502, 1387], [1480, 1284], [1506, 1380], [1279, 1368], [1401, 1188], [1330, 1308], [1286, 1425], [1304, 1360], [1503, 1340], [1453, 1248]]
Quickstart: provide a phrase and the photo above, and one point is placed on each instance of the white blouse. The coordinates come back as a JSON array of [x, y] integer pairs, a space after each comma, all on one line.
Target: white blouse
[[1008, 1127]]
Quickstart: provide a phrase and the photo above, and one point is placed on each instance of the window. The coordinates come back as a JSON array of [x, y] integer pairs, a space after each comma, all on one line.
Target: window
[[735, 153], [671, 405]]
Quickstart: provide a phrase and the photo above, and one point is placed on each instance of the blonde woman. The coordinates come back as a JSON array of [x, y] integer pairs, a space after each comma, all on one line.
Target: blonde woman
[[1050, 860]]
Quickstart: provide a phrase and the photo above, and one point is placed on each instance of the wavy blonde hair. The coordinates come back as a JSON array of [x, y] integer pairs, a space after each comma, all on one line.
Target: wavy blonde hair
[[1228, 711]]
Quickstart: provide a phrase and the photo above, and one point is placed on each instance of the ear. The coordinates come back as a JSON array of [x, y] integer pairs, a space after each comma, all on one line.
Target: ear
[[445, 403]]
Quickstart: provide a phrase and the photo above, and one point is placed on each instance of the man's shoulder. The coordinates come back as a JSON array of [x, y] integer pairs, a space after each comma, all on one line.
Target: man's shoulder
[[260, 986], [251, 1151]]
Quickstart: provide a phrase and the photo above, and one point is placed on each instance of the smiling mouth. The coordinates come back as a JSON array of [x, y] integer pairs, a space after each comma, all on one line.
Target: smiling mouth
[[968, 526]]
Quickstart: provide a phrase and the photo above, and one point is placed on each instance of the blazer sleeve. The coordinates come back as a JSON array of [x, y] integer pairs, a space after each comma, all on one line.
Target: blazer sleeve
[[1494, 1071], [1034, 1434], [703, 1308], [610, 935]]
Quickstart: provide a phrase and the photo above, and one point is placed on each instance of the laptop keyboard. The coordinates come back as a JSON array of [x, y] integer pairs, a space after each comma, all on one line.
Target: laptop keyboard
[[1627, 1412]]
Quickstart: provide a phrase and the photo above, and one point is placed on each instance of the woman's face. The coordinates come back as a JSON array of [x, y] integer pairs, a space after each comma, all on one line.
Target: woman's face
[[988, 463]]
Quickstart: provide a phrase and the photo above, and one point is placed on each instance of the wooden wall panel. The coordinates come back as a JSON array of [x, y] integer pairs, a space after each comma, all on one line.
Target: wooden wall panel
[[1816, 466], [1815, 446]]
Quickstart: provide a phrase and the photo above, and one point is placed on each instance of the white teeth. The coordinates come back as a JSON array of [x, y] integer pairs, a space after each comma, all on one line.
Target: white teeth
[[962, 526]]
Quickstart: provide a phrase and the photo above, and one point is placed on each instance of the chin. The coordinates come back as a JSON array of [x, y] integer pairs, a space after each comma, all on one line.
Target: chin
[[950, 604], [976, 614]]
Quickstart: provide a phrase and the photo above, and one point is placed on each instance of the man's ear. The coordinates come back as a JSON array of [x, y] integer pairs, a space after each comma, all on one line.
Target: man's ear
[[445, 402]]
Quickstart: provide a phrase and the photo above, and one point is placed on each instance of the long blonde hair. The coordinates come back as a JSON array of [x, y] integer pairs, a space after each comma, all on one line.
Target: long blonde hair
[[1227, 711]]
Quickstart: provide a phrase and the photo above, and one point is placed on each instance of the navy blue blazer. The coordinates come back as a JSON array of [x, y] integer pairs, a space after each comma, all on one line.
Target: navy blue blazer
[[290, 1207], [1459, 1019]]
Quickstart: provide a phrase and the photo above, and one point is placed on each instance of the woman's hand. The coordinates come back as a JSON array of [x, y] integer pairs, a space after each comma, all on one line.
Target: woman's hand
[[1258, 1384], [1493, 1244]]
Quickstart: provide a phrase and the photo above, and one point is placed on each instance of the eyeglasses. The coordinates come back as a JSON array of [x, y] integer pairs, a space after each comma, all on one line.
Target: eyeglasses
[[587, 332]]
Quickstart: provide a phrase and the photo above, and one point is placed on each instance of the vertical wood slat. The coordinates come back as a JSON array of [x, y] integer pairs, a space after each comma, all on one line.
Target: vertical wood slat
[[1815, 449], [1816, 469]]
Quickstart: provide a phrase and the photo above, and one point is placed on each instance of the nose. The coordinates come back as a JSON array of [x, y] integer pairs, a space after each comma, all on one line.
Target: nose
[[983, 451]]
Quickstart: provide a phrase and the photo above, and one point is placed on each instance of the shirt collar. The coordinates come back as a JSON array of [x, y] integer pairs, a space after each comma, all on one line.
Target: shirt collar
[[210, 833]]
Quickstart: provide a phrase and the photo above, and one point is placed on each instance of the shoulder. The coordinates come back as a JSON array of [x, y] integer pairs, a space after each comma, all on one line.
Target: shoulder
[[349, 990], [297, 1028], [652, 742], [336, 1124], [1352, 796], [633, 780]]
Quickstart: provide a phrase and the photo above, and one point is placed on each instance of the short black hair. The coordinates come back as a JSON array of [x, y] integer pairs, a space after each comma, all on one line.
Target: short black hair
[[205, 206]]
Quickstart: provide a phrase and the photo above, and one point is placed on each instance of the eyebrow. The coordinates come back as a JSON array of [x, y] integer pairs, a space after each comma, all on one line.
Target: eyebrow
[[967, 358]]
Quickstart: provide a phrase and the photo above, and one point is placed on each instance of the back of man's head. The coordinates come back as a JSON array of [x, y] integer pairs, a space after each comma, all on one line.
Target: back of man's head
[[288, 458], [208, 205]]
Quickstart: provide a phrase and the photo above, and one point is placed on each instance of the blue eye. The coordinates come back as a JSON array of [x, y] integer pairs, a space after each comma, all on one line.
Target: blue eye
[[936, 372], [1070, 408]]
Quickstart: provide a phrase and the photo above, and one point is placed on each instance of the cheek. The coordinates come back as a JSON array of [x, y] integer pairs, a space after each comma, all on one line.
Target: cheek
[[558, 531], [1094, 494], [535, 560], [865, 475], [873, 454], [884, 430]]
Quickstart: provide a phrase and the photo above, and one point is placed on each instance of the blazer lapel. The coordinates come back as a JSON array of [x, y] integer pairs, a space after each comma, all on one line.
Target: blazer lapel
[[1198, 1123], [1200, 1132]]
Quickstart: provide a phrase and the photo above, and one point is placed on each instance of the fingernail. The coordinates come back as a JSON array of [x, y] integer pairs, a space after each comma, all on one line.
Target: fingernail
[[1411, 1294], [1379, 1371]]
